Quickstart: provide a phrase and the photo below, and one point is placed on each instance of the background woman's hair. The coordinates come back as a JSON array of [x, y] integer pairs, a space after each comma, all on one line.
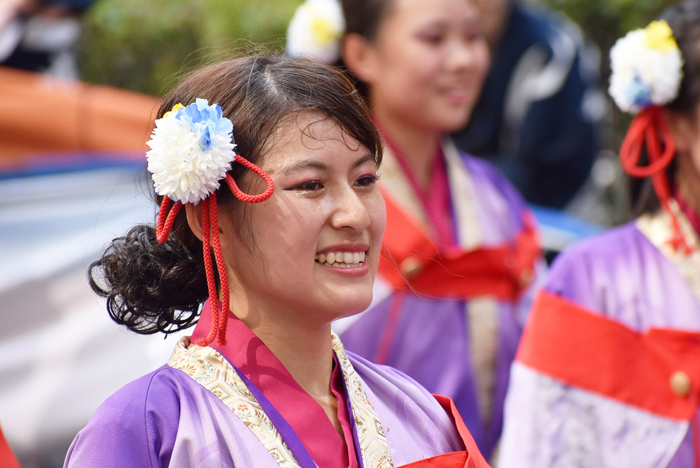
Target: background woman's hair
[[684, 19], [363, 17], [152, 287]]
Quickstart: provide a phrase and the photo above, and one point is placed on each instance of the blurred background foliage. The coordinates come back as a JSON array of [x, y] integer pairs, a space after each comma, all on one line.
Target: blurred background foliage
[[143, 45]]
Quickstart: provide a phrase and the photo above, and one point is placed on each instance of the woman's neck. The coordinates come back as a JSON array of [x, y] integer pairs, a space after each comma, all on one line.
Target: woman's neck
[[417, 145], [304, 350]]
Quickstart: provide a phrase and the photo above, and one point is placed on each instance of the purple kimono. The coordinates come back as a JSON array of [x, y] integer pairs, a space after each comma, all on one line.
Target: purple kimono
[[632, 276], [462, 349], [203, 409]]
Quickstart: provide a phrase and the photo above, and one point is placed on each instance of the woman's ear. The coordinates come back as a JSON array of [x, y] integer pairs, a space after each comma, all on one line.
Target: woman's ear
[[194, 219], [359, 56]]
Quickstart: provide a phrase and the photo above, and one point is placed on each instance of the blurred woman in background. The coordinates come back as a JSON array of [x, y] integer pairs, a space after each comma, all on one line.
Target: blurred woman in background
[[607, 372], [460, 247]]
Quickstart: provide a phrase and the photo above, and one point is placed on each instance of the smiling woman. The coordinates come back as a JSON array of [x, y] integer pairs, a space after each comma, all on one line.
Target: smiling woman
[[263, 265]]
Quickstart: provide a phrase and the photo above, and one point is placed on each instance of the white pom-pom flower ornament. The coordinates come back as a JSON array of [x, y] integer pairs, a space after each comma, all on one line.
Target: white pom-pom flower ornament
[[192, 150], [315, 31], [647, 71], [647, 68]]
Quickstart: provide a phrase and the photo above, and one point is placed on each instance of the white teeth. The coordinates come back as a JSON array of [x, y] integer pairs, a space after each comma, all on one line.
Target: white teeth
[[342, 259]]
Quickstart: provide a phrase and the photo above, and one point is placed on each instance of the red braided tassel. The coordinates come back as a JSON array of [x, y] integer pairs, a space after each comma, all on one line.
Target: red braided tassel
[[270, 186], [209, 270], [165, 224], [223, 275], [650, 127]]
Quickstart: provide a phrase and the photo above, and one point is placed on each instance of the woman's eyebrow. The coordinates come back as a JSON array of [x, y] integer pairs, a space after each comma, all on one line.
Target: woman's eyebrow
[[369, 157], [303, 164], [315, 164]]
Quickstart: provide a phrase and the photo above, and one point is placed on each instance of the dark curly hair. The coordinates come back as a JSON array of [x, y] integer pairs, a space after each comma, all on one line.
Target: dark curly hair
[[152, 287]]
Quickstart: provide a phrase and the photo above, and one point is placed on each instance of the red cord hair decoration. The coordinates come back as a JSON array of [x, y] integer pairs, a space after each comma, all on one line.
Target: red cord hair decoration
[[649, 129], [212, 241]]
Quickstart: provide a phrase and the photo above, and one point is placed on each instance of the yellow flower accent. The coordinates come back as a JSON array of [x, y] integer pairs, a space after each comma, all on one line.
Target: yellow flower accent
[[321, 28], [659, 35], [174, 110]]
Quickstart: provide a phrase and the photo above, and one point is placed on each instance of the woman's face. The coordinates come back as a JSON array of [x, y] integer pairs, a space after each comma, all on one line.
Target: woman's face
[[317, 239], [427, 63]]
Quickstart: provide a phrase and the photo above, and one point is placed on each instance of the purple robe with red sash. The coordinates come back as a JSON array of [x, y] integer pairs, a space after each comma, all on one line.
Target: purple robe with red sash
[[608, 370], [451, 290], [235, 405]]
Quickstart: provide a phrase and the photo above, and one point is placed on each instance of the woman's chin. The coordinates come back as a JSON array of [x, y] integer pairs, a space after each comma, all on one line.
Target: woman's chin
[[456, 120], [449, 119], [349, 309]]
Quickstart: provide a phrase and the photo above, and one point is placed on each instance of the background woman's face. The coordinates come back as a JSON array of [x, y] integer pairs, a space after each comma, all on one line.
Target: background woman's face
[[428, 62], [318, 238]]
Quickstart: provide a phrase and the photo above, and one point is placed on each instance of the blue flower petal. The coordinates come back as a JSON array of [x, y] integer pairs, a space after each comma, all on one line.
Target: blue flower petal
[[639, 93], [205, 139], [223, 126], [195, 113]]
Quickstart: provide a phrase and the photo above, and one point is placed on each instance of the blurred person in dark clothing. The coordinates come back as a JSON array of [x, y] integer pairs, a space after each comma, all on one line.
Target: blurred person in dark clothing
[[539, 113], [41, 35]]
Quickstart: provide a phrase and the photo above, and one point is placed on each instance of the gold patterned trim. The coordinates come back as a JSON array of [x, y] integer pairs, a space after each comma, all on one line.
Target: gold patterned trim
[[395, 182], [213, 372], [463, 198], [375, 448], [658, 229]]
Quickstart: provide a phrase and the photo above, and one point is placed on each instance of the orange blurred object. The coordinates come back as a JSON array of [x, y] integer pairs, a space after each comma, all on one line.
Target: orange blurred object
[[40, 115]]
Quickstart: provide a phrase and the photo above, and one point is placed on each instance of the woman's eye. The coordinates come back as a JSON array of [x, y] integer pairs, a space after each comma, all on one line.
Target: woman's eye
[[310, 186], [367, 180], [432, 39], [474, 37]]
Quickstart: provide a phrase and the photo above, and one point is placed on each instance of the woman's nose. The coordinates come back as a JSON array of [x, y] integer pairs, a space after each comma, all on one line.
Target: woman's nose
[[464, 53], [350, 211]]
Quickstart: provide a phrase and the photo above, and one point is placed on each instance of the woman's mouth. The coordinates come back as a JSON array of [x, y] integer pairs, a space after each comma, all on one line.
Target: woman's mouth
[[342, 259]]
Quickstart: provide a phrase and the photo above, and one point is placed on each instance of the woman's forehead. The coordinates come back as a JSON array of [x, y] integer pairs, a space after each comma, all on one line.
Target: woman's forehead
[[311, 139]]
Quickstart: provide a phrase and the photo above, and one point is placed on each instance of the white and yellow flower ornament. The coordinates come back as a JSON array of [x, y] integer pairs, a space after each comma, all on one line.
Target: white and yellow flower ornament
[[315, 31], [647, 68]]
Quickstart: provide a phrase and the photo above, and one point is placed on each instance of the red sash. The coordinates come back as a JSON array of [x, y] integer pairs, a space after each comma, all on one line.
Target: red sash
[[410, 261], [7, 458], [470, 458], [658, 371]]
